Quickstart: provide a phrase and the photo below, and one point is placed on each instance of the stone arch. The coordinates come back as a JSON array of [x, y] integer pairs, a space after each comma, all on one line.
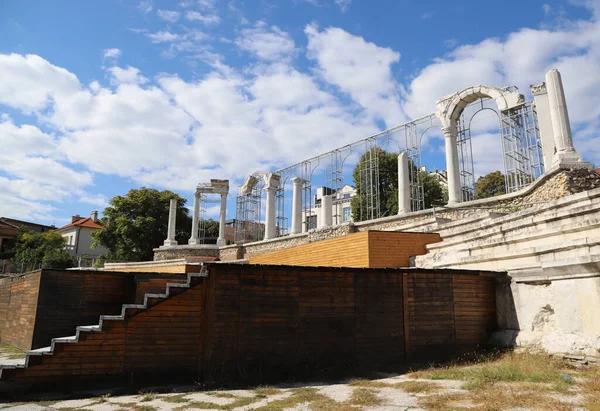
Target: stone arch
[[451, 107], [449, 110]]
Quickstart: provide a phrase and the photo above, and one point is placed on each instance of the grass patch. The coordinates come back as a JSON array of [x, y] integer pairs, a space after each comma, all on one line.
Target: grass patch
[[222, 395], [149, 396], [368, 384], [416, 387], [267, 391], [12, 352], [175, 399], [535, 368], [591, 389], [364, 397]]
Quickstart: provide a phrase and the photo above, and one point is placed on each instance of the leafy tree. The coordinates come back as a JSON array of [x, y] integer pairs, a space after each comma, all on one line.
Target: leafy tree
[[211, 228], [490, 185], [46, 250], [136, 223], [434, 192]]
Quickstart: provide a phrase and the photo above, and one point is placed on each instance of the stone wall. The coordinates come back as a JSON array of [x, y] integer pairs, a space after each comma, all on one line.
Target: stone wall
[[18, 308], [182, 251]]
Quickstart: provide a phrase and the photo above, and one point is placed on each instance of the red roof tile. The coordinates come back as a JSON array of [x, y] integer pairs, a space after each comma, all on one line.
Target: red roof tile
[[84, 222]]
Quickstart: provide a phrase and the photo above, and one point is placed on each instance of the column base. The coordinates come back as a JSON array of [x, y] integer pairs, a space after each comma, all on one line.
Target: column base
[[169, 243], [194, 241], [571, 158], [221, 242]]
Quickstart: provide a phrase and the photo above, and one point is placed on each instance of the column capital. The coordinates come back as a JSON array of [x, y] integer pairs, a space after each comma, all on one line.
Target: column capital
[[298, 180], [538, 89], [450, 131]]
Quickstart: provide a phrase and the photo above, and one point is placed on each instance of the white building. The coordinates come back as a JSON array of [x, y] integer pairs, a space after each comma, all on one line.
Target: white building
[[79, 237], [341, 210]]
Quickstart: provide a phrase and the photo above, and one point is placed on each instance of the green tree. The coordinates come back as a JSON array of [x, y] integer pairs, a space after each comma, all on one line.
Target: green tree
[[46, 250], [211, 228], [434, 192], [490, 185], [136, 223]]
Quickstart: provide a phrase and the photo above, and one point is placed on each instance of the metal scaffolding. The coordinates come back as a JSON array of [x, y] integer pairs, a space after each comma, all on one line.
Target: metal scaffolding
[[522, 162]]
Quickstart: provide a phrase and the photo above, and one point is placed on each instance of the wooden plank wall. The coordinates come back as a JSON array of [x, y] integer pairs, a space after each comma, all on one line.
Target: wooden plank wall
[[393, 249], [474, 309], [71, 298], [375, 249], [248, 322], [348, 251], [20, 306]]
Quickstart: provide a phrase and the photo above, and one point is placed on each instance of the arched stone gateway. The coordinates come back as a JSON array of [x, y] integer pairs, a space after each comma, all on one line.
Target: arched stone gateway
[[552, 114], [449, 110], [271, 184]]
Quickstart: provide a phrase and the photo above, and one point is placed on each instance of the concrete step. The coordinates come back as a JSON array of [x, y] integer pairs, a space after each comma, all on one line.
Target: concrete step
[[497, 228], [555, 232], [521, 259], [566, 203]]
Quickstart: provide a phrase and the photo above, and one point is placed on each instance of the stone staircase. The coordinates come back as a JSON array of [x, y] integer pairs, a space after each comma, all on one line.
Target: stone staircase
[[102, 331], [559, 229]]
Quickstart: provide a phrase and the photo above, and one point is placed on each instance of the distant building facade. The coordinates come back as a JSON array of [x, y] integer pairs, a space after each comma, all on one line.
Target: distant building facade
[[79, 239], [341, 208]]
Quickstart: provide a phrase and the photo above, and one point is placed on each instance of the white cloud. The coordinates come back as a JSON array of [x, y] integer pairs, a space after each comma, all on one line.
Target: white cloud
[[359, 68], [29, 82], [126, 75], [426, 16], [267, 43], [343, 4], [168, 15], [163, 36], [546, 8], [112, 53], [207, 19], [145, 6]]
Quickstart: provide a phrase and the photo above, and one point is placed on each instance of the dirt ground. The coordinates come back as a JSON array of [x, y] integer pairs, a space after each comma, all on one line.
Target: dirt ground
[[505, 381]]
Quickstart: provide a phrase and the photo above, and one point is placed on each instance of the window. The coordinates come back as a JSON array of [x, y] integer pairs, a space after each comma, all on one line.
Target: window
[[346, 195], [311, 222], [347, 214]]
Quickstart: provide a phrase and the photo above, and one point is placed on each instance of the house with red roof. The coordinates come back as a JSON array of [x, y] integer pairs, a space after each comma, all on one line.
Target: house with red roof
[[79, 236]]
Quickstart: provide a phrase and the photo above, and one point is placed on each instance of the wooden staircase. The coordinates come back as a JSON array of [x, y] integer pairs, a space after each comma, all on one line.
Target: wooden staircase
[[104, 340]]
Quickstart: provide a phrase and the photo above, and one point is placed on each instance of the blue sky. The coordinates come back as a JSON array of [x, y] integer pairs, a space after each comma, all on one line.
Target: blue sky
[[100, 97]]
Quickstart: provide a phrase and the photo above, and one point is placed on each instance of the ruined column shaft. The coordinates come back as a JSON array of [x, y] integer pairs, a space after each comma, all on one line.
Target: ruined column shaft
[[558, 112], [326, 217], [172, 221], [542, 108], [403, 184], [297, 205], [270, 213], [222, 214], [194, 236], [452, 166]]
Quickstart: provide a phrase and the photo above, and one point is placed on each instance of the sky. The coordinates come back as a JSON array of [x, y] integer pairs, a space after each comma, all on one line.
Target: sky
[[97, 98]]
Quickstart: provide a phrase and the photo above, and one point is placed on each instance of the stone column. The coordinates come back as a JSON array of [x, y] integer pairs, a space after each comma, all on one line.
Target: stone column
[[172, 220], [326, 218], [542, 108], [270, 213], [565, 152], [194, 237], [403, 184], [297, 205], [452, 166], [222, 213]]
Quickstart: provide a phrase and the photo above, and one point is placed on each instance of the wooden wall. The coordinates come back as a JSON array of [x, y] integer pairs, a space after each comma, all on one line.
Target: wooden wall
[[37, 307], [252, 322], [374, 249], [18, 307]]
